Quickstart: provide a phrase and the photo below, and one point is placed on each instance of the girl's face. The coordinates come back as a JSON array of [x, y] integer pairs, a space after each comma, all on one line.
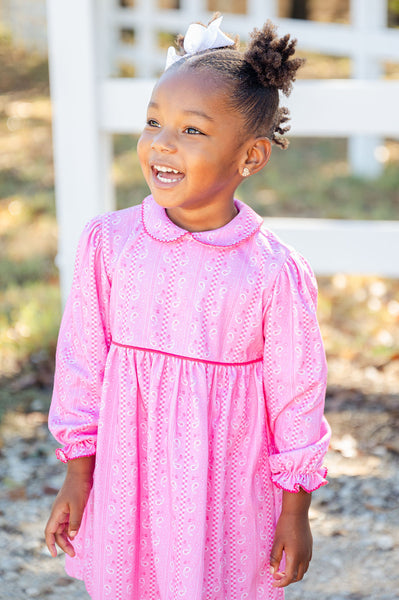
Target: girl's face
[[192, 149]]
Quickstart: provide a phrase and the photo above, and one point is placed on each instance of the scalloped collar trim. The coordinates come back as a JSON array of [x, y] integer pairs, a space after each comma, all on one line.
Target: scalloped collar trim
[[158, 225]]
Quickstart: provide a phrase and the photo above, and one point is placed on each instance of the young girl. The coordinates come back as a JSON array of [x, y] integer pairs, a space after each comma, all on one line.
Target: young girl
[[190, 373]]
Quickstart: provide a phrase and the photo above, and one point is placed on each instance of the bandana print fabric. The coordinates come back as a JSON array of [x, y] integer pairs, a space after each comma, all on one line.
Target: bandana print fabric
[[192, 365]]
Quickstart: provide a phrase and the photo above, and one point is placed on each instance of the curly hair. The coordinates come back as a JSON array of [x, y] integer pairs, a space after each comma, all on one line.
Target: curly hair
[[255, 77]]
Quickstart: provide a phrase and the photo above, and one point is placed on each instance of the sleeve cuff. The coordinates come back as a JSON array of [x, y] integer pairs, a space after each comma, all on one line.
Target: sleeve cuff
[[291, 482], [78, 450]]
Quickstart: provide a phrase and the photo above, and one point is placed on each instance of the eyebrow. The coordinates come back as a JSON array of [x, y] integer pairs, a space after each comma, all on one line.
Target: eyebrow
[[198, 113]]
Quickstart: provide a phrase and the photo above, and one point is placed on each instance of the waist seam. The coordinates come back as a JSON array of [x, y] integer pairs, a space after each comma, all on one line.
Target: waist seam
[[190, 358]]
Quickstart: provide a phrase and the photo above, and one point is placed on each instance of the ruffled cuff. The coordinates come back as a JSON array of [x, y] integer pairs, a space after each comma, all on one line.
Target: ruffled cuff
[[302, 467], [77, 450], [292, 482]]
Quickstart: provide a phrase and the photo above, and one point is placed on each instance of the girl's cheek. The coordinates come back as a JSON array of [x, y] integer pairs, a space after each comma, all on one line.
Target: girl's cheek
[[140, 145], [141, 152]]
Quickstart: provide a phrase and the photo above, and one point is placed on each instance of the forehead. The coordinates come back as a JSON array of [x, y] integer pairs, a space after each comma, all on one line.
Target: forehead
[[192, 89]]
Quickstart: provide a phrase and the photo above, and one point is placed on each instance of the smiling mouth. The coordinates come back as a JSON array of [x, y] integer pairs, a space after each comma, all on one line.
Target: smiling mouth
[[166, 174]]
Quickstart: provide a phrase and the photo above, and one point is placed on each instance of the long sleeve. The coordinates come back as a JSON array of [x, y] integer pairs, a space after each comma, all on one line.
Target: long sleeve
[[295, 375], [82, 349]]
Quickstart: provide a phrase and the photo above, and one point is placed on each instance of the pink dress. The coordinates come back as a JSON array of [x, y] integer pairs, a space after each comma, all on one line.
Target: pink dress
[[191, 364]]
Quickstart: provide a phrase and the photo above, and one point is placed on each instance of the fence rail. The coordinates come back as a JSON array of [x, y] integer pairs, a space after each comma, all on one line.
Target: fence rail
[[338, 246], [338, 107], [324, 38]]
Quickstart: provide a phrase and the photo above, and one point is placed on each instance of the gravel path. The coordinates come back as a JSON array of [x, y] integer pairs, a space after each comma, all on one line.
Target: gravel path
[[355, 519]]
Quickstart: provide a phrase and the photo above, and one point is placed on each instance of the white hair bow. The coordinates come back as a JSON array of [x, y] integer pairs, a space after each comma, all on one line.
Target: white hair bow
[[200, 38]]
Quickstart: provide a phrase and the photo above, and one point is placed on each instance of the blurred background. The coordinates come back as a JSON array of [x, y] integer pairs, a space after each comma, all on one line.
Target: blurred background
[[355, 518]]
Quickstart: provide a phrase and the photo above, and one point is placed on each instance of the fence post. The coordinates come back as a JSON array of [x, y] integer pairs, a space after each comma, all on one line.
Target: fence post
[[82, 154], [366, 16], [262, 10], [192, 8], [146, 37]]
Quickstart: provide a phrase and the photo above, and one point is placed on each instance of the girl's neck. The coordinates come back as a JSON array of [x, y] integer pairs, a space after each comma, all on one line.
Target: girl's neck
[[203, 219]]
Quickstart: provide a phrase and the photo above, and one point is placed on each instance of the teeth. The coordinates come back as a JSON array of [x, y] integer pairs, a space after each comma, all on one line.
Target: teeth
[[166, 179], [165, 169]]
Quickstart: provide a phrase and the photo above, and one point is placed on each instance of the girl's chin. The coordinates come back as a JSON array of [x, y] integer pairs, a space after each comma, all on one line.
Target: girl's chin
[[163, 202], [166, 200]]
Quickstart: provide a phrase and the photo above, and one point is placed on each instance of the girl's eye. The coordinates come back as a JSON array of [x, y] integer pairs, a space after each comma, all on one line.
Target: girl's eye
[[152, 123], [193, 131]]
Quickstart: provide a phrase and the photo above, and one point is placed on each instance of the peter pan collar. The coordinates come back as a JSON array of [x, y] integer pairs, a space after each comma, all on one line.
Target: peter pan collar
[[158, 225]]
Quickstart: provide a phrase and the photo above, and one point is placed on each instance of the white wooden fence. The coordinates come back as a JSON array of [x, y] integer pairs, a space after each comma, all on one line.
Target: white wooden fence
[[90, 106]]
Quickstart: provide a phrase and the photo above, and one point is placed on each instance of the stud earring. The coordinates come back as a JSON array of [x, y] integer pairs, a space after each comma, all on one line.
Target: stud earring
[[246, 172]]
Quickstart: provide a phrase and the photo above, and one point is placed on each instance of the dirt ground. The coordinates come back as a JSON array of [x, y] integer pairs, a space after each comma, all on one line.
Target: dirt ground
[[355, 519]]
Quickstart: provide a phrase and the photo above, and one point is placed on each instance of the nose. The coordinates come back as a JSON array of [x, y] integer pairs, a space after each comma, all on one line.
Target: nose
[[163, 142]]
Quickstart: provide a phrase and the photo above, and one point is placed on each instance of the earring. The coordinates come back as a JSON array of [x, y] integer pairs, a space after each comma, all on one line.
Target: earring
[[245, 172]]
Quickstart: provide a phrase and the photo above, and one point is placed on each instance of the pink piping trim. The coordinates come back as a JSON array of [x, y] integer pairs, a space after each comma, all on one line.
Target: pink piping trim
[[244, 239], [184, 232], [60, 454], [297, 486], [199, 360], [153, 236]]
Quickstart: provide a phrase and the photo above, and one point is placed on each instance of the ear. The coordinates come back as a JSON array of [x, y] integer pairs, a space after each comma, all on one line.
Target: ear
[[257, 156]]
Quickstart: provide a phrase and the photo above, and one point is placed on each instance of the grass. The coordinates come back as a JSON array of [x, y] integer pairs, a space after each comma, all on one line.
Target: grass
[[359, 316]]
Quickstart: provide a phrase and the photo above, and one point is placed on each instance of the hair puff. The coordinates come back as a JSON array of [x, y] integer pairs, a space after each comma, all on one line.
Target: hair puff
[[269, 56]]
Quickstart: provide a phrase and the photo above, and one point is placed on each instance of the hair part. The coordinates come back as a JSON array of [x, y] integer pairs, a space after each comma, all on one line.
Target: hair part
[[255, 78]]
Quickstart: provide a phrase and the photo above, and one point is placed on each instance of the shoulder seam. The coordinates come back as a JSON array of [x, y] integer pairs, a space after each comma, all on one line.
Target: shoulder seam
[[105, 220], [283, 264]]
